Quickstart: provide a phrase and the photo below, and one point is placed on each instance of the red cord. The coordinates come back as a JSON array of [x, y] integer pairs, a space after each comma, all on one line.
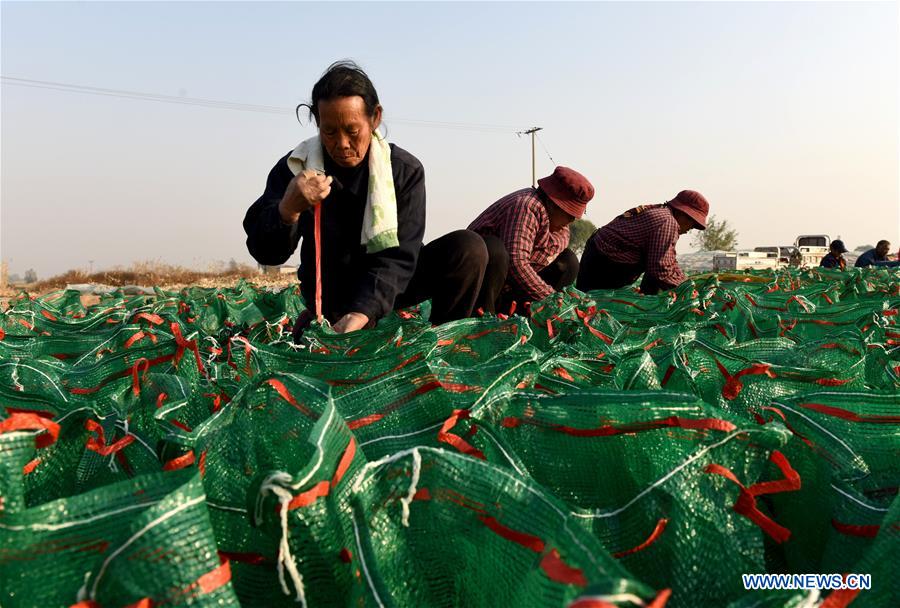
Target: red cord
[[317, 215]]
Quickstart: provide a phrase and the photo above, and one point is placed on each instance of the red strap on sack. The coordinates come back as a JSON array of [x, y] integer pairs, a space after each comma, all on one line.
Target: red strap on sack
[[135, 371], [22, 421], [321, 489], [189, 344], [98, 443], [445, 436], [746, 502], [317, 229], [733, 384]]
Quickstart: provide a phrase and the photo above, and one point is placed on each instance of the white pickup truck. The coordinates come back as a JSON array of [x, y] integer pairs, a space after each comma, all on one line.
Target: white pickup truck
[[813, 247], [808, 250], [746, 260]]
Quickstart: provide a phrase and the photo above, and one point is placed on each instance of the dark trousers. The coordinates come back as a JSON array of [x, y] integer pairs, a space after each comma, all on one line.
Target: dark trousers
[[498, 296], [450, 272], [599, 272]]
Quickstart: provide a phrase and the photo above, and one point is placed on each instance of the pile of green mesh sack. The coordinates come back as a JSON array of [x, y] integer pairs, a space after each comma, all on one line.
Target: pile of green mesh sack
[[596, 450]]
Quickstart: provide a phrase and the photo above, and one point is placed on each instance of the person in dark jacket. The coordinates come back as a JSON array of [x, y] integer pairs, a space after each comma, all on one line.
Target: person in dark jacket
[[642, 240], [877, 257], [371, 197], [527, 235], [835, 256]]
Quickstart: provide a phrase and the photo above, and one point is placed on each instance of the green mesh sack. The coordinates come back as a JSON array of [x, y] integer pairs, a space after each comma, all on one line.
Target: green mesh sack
[[659, 501], [880, 560], [390, 333], [435, 528], [144, 538], [20, 434], [474, 341], [303, 503], [744, 378]]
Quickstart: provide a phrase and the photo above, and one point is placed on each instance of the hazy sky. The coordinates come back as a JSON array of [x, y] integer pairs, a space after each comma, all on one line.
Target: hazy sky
[[785, 115]]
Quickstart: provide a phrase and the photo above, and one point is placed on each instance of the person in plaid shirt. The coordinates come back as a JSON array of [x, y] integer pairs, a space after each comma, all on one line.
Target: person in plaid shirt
[[526, 233], [642, 240]]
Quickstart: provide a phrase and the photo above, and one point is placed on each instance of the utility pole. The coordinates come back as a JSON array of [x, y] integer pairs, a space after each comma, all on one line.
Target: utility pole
[[531, 132]]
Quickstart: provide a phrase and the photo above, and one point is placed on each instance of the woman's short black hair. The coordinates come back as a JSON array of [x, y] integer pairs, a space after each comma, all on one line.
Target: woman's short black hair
[[342, 79]]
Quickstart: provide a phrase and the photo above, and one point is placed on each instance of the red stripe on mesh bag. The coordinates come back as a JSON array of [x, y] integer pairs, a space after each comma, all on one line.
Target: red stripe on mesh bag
[[841, 598], [31, 422], [282, 390], [345, 462], [657, 532], [520, 538], [147, 316], [31, 465], [590, 602], [48, 315], [216, 578], [245, 558], [209, 582], [837, 412], [661, 599], [561, 572], [323, 488], [180, 462], [304, 499], [855, 530], [746, 502], [702, 424]]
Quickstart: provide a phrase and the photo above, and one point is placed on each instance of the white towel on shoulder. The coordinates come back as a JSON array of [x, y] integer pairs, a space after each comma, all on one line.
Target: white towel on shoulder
[[379, 228]]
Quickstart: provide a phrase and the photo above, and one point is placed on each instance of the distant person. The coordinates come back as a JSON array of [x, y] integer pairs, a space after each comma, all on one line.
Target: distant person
[[835, 256], [642, 240], [527, 234], [372, 200], [877, 257]]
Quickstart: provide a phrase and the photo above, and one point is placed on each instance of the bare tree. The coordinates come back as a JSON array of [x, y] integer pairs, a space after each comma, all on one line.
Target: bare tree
[[579, 232], [717, 236]]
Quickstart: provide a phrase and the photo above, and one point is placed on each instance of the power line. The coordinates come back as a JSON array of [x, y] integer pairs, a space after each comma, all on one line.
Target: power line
[[545, 149], [228, 105]]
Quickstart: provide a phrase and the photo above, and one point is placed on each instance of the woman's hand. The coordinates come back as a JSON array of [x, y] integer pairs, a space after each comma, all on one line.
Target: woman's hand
[[306, 190], [350, 322]]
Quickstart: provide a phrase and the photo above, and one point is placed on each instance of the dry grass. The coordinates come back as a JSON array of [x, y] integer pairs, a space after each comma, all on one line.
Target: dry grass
[[150, 274]]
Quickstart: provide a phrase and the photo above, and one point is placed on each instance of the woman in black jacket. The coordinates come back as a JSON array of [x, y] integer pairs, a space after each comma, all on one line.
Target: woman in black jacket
[[372, 217]]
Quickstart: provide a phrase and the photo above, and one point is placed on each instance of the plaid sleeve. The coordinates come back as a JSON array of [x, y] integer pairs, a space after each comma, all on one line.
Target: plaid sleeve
[[519, 230], [662, 268]]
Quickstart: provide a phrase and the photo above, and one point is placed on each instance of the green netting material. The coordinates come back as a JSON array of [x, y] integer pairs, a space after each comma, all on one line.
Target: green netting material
[[604, 449]]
